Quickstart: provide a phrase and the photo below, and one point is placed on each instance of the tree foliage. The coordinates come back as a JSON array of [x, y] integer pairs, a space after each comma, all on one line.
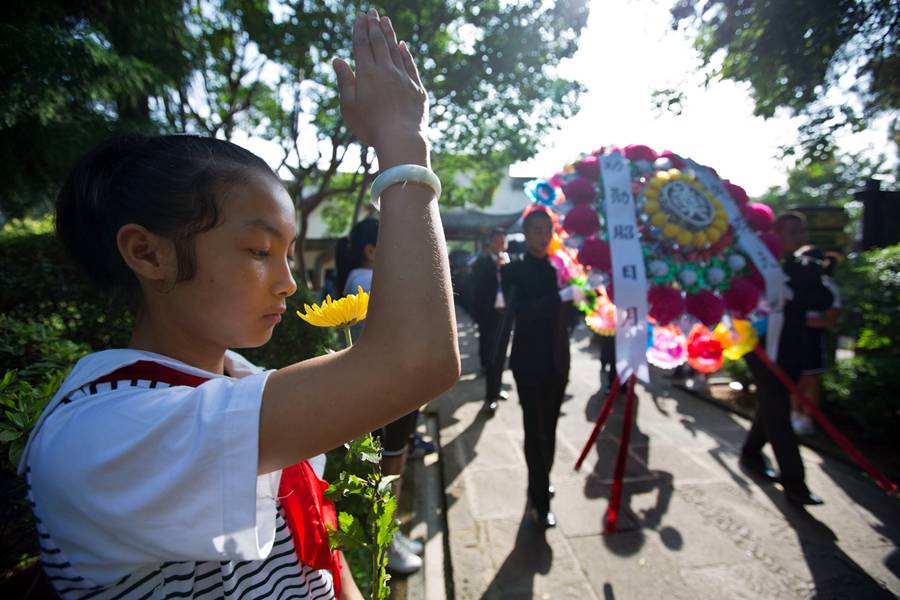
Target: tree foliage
[[831, 181], [260, 68], [793, 53], [73, 73]]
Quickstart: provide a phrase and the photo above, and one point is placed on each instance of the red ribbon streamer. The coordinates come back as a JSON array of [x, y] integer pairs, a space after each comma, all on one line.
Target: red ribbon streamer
[[307, 513], [601, 420], [846, 445], [615, 496]]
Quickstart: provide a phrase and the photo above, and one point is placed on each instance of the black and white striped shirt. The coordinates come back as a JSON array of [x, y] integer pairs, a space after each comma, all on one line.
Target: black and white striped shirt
[[126, 474], [278, 577]]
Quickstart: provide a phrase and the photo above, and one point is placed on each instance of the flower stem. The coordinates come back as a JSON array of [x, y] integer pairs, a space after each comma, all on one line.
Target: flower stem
[[347, 336]]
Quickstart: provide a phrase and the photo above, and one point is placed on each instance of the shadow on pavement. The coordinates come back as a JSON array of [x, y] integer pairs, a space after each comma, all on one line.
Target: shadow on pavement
[[834, 573], [638, 480], [530, 555]]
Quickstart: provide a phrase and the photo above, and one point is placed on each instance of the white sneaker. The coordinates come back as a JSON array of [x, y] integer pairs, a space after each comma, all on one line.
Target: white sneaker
[[401, 560], [414, 546]]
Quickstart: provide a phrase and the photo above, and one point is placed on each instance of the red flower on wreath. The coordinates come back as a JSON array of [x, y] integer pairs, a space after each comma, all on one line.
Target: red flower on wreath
[[704, 350]]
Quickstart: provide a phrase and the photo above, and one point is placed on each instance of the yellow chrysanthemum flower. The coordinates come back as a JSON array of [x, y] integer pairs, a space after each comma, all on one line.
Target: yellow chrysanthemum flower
[[345, 312]]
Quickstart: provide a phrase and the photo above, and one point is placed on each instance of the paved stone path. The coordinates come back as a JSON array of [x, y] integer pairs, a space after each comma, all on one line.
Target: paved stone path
[[693, 525]]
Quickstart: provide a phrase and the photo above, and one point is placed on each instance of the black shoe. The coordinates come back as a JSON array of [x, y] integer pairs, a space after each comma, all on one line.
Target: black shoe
[[803, 498], [502, 395], [551, 489], [546, 520], [490, 407], [759, 468]]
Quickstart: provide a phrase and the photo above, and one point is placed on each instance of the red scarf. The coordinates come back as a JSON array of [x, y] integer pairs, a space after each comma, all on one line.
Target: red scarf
[[301, 492]]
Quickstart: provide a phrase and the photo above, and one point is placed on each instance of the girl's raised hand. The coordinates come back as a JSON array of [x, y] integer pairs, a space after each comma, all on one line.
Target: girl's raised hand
[[384, 103]]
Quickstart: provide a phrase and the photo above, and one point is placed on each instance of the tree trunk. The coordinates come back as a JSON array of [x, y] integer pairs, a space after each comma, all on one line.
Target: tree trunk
[[300, 249]]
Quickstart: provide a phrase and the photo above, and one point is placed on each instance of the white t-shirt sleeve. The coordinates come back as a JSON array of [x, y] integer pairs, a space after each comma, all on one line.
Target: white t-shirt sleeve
[[122, 478]]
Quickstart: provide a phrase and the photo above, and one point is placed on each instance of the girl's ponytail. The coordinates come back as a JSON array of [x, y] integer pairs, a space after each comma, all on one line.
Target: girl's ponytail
[[350, 250]]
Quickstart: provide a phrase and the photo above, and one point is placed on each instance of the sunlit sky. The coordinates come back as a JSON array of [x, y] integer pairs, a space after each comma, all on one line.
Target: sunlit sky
[[627, 51]]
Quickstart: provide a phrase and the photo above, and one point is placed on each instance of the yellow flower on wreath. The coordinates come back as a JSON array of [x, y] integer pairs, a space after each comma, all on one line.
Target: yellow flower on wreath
[[673, 230], [342, 313]]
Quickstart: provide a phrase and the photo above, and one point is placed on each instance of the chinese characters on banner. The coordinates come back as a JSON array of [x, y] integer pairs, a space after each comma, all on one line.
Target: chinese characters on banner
[[628, 276], [759, 254]]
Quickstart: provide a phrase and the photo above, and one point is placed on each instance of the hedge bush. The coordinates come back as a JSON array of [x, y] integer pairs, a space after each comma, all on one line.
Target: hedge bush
[[865, 391], [39, 284], [870, 290]]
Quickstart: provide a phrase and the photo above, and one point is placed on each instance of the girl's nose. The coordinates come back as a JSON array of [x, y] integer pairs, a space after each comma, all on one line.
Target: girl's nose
[[285, 284]]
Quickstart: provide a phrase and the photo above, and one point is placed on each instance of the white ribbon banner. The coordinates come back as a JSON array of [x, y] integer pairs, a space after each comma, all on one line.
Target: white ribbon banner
[[752, 246], [628, 276]]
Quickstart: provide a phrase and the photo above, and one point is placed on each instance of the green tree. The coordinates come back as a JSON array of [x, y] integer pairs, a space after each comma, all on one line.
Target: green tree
[[794, 53], [220, 67], [828, 182], [73, 73], [490, 70]]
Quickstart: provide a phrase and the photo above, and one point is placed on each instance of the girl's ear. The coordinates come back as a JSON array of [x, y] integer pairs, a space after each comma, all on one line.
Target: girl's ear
[[150, 256]]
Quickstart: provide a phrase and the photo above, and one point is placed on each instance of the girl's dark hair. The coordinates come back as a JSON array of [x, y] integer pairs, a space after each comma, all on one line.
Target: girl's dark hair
[[172, 185], [350, 250]]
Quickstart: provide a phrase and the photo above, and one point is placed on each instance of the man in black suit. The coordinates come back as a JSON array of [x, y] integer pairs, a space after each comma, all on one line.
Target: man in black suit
[[540, 354], [772, 422], [489, 308]]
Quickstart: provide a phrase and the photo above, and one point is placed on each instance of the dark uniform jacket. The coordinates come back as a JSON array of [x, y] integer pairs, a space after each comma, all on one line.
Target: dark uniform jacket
[[541, 339], [484, 288], [810, 293]]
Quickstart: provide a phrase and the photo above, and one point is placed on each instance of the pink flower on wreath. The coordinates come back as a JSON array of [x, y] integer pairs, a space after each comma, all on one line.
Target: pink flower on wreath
[[595, 254], [669, 347], [706, 307], [665, 304], [566, 268], [737, 193], [582, 220], [556, 181], [676, 160], [742, 296], [588, 167], [759, 216], [580, 190], [755, 277], [640, 152]]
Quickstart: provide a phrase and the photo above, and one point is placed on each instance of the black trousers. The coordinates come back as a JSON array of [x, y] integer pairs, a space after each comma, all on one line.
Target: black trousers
[[492, 344], [772, 424], [541, 398]]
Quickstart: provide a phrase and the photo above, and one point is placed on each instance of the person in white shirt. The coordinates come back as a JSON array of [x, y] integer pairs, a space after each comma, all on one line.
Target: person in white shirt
[[175, 469]]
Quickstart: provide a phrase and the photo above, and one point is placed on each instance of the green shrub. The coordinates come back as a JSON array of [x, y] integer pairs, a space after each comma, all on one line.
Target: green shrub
[[870, 290], [35, 359], [22, 402], [865, 391], [40, 284]]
